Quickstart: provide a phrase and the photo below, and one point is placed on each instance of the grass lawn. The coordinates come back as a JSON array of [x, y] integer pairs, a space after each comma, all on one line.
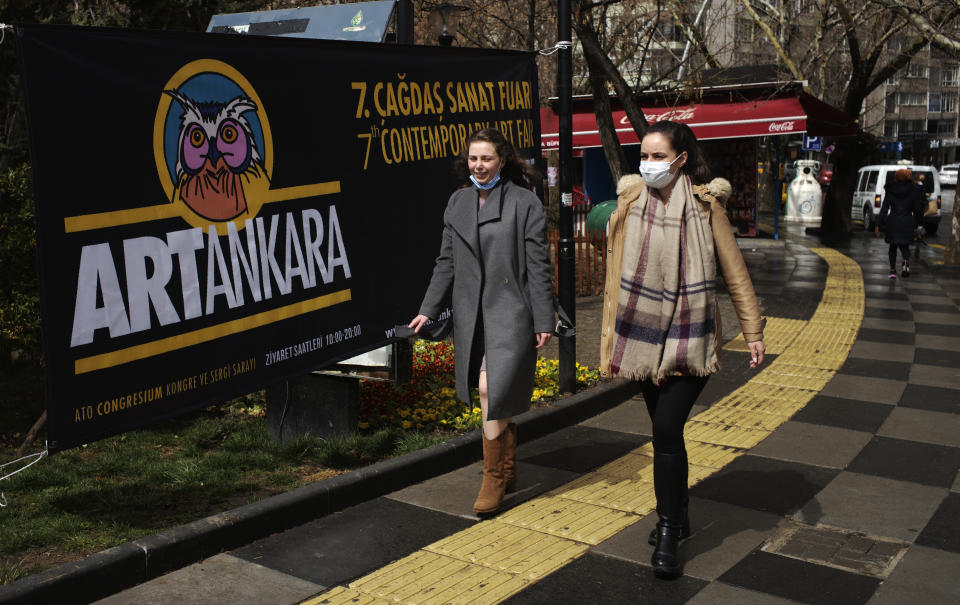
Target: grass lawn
[[85, 499]]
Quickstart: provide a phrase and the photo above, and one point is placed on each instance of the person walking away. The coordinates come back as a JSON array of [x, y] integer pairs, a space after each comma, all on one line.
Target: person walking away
[[661, 320], [901, 212], [494, 269]]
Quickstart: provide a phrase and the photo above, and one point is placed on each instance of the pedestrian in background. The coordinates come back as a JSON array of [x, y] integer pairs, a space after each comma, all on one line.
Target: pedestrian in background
[[495, 270], [661, 321], [900, 214]]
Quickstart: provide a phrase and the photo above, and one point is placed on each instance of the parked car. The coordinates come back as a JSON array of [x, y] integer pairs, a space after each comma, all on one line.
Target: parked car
[[948, 174], [868, 196]]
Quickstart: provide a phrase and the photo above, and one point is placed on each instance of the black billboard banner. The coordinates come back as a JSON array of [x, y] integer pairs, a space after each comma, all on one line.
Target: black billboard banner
[[217, 212]]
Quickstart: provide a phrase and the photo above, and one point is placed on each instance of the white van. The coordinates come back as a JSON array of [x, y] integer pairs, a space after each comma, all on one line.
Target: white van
[[868, 196]]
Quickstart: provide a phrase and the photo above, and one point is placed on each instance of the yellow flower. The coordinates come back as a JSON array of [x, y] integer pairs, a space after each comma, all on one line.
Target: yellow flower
[[363, 425], [406, 424]]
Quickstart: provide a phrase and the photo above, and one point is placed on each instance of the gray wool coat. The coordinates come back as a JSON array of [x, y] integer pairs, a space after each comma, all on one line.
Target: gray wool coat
[[493, 269]]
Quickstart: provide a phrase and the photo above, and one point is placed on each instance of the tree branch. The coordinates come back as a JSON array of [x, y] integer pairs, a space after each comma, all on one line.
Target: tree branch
[[918, 20], [772, 38]]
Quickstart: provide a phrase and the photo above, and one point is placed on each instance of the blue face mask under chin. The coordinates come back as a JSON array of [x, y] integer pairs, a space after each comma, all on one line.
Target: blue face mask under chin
[[485, 186]]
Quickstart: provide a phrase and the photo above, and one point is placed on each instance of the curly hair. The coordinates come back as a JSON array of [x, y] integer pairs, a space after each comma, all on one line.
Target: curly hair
[[515, 169], [682, 139]]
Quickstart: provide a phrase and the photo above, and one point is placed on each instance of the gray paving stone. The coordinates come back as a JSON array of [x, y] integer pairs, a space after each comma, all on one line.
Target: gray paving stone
[[863, 388], [924, 575], [913, 285], [931, 299], [905, 460], [800, 580], [950, 319], [886, 303], [925, 426], [595, 578], [219, 579], [814, 444], [721, 535], [935, 341], [718, 593], [629, 417], [337, 548], [454, 492], [873, 505], [894, 325], [935, 376], [882, 351], [579, 448]]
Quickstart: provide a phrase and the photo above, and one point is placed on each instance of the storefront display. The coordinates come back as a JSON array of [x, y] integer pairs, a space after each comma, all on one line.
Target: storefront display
[[736, 161]]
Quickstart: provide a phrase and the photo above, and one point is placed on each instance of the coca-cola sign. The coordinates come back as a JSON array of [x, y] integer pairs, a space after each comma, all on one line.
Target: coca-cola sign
[[781, 126], [676, 115]]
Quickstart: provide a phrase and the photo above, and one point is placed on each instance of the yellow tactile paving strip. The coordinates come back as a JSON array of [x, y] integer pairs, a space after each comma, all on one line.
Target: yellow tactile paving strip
[[494, 559]]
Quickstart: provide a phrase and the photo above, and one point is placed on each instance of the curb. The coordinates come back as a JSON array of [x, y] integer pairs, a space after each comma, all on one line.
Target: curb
[[110, 571]]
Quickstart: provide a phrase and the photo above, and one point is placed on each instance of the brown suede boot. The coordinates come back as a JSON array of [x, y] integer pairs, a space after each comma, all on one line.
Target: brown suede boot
[[493, 487], [510, 457]]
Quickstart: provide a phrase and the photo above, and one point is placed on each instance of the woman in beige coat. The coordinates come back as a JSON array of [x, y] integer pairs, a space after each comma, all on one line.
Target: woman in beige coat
[[661, 324]]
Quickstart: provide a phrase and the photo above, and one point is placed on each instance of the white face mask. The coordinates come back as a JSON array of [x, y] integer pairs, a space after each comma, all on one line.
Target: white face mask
[[657, 174]]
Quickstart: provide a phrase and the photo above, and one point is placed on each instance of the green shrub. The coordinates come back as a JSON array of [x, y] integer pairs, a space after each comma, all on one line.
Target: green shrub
[[19, 295]]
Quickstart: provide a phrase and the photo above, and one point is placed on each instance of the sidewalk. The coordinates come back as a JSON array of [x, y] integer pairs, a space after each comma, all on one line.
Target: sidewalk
[[829, 476]]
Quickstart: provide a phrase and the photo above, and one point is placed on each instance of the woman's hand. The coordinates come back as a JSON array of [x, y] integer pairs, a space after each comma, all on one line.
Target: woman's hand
[[542, 339], [418, 322], [877, 231], [756, 353]]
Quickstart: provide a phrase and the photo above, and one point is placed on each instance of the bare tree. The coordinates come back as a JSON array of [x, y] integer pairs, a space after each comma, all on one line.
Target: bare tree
[[856, 36]]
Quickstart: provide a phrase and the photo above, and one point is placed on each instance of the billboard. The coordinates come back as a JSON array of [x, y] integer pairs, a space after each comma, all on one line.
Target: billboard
[[218, 212]]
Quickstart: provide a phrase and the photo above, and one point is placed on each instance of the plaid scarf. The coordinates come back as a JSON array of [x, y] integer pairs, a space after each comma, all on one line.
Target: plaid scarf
[[667, 303]]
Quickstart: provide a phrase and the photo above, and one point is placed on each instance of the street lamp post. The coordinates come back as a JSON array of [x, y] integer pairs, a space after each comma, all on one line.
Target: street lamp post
[[444, 22], [567, 344]]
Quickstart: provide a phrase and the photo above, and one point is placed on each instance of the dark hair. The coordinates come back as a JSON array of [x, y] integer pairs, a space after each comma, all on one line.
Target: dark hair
[[514, 168], [682, 139]]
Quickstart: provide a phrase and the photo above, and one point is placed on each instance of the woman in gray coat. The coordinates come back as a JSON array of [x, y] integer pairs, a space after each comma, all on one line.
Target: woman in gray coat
[[494, 269]]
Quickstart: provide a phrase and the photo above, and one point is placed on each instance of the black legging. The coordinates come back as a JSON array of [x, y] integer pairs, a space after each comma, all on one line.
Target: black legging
[[904, 250], [669, 406]]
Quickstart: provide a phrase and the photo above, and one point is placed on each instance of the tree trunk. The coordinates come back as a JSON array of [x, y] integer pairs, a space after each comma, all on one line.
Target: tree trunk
[[612, 149], [32, 433], [598, 61], [846, 159]]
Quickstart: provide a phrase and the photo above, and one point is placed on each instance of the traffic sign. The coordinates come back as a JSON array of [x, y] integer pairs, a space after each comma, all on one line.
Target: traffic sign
[[812, 143]]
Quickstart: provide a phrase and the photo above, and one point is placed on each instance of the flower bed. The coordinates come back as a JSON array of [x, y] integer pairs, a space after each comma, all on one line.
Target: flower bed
[[429, 401]]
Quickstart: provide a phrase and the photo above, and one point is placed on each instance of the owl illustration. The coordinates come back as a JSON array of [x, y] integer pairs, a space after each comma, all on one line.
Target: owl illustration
[[217, 157]]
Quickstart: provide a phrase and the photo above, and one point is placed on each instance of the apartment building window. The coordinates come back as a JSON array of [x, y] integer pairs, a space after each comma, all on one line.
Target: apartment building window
[[915, 70], [671, 32], [947, 127], [934, 103], [912, 127], [890, 128], [948, 75], [799, 7], [890, 104], [746, 29], [948, 103], [913, 98]]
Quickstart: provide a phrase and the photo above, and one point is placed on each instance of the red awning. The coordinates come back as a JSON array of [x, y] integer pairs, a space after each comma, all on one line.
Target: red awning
[[711, 120]]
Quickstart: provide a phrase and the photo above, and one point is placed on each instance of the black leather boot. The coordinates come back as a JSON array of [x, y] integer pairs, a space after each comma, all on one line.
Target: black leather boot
[[669, 480], [684, 507]]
